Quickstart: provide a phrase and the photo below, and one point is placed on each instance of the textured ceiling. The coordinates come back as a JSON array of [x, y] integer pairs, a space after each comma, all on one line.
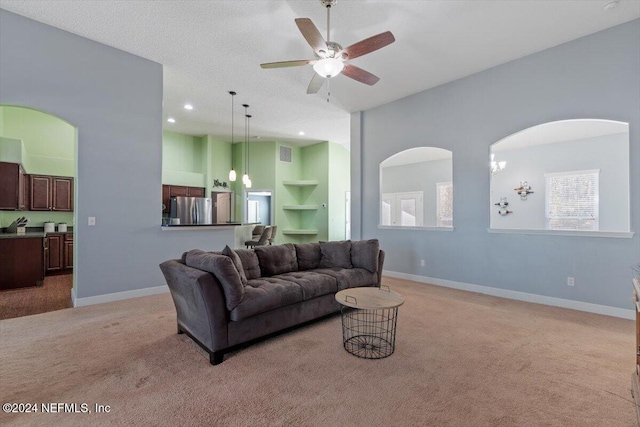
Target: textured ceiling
[[210, 47]]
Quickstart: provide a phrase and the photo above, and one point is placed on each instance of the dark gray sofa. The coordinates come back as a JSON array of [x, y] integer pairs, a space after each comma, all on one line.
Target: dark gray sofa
[[226, 299]]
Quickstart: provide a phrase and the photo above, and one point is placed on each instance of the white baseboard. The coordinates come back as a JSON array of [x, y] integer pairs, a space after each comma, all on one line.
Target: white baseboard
[[117, 296], [516, 295]]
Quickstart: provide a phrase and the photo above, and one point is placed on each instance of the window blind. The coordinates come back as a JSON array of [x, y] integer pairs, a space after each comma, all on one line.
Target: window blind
[[444, 205], [572, 200]]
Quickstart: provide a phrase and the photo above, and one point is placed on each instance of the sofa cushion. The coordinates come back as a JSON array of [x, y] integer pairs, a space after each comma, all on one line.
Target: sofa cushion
[[350, 278], [277, 259], [308, 255], [265, 294], [223, 269], [364, 254], [250, 263], [335, 254], [312, 284], [237, 263]]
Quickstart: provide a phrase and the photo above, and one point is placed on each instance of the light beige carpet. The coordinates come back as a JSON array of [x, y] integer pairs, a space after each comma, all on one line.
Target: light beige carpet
[[461, 359], [54, 294]]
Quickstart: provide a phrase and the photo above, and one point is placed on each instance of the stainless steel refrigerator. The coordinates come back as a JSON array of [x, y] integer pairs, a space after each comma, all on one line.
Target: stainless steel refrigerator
[[192, 210]]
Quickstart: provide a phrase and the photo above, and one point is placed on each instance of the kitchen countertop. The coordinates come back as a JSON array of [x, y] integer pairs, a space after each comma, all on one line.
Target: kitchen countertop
[[31, 233], [28, 235]]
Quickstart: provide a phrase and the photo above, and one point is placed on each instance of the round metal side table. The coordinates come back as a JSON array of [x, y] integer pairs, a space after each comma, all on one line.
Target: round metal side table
[[369, 319]]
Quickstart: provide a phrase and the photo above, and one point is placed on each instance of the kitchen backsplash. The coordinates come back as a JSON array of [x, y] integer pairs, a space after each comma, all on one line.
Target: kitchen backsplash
[[36, 219]]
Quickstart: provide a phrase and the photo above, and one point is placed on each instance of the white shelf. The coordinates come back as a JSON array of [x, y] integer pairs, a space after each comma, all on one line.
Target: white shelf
[[300, 207], [301, 183], [308, 232]]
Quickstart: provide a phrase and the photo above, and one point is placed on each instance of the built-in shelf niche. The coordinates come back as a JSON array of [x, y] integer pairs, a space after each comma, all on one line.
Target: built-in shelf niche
[[301, 207]]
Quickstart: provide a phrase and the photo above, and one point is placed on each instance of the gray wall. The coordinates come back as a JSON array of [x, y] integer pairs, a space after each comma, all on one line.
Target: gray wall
[[115, 100], [421, 176], [597, 76], [608, 153]]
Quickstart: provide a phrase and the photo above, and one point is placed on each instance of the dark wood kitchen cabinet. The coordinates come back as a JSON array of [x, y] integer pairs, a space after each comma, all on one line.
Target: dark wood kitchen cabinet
[[51, 193], [21, 262], [68, 251], [54, 252], [58, 252], [12, 185], [169, 191]]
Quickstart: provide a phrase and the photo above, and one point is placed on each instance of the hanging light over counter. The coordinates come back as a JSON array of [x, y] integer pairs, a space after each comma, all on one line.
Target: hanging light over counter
[[232, 172]]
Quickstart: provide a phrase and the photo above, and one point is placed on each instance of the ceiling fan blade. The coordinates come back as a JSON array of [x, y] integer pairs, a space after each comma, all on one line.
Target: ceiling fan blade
[[283, 64], [315, 84], [311, 34], [369, 45], [360, 75]]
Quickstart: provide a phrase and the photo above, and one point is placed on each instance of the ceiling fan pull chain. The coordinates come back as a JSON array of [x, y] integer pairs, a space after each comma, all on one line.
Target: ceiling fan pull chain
[[328, 89]]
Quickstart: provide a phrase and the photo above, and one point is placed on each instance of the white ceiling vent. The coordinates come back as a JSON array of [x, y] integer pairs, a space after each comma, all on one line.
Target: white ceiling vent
[[285, 154]]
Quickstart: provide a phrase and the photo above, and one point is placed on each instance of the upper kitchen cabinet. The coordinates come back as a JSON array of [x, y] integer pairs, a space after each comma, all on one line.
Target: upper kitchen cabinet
[[169, 191], [51, 193], [12, 186]]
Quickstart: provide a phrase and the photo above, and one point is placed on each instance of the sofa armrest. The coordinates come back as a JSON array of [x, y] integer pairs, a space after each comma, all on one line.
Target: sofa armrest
[[200, 304], [380, 265]]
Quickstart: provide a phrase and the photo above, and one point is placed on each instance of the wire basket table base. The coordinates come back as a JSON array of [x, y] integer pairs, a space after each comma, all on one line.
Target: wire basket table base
[[369, 334]]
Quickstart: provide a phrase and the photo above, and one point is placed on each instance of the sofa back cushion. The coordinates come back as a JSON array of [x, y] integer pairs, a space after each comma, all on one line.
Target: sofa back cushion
[[336, 254], [277, 259], [223, 269], [364, 254], [250, 263], [308, 255]]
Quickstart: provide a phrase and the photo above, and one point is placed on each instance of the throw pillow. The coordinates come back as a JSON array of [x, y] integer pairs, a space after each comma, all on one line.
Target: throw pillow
[[364, 254], [308, 255], [237, 262], [336, 254], [223, 269], [277, 259]]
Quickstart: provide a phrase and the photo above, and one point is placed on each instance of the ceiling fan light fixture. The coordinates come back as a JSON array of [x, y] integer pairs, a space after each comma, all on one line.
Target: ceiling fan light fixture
[[328, 67]]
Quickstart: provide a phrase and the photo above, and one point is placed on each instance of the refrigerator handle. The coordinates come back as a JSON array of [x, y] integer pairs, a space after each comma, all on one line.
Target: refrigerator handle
[[196, 219]]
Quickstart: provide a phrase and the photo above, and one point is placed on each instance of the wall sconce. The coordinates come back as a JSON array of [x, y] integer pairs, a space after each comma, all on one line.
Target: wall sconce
[[497, 167], [503, 206], [524, 190]]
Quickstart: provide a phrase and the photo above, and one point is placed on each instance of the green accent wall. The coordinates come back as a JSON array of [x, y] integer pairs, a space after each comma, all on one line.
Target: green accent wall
[[339, 178], [45, 145], [184, 159], [194, 161], [49, 142], [198, 161], [287, 195]]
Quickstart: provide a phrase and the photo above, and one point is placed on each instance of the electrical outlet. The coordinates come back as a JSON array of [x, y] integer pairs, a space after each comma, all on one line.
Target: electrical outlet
[[421, 263], [571, 281]]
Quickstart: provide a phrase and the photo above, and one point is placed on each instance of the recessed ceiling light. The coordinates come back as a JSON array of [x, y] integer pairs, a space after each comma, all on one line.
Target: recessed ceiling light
[[301, 133], [171, 120], [188, 107], [610, 5]]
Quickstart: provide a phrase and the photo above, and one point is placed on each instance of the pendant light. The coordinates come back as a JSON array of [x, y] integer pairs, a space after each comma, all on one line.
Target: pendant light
[[245, 176], [232, 172], [248, 183]]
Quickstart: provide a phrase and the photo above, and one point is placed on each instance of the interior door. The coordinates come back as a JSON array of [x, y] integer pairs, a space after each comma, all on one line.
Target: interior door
[[253, 207]]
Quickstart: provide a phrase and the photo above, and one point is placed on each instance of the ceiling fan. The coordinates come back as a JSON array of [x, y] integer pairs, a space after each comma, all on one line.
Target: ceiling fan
[[331, 58]]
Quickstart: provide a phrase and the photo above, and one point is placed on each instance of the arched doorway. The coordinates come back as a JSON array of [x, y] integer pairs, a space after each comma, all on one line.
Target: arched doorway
[[43, 147]]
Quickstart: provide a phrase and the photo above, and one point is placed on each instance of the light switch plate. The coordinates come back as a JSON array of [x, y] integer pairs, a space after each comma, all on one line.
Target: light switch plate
[[92, 220]]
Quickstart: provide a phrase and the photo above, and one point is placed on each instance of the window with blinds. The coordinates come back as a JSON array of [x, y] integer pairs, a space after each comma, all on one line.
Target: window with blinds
[[444, 204], [572, 200]]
